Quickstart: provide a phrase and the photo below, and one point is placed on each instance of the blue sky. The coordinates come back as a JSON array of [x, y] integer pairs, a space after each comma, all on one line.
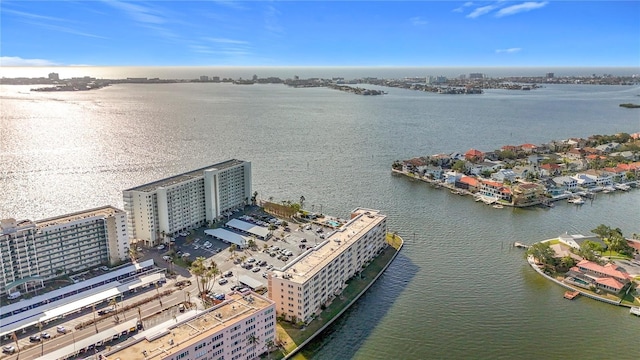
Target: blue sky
[[320, 33]]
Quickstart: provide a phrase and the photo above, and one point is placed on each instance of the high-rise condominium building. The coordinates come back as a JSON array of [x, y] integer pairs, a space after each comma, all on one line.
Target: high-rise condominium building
[[186, 201], [34, 251], [319, 274]]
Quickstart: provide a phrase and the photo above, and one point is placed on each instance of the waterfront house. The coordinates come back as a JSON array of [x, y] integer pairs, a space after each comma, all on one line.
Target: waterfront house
[[493, 189], [504, 174], [600, 271], [468, 183], [513, 148], [616, 174], [584, 180], [529, 148], [602, 178], [435, 172], [413, 165], [451, 177], [578, 165], [609, 284], [441, 160], [474, 155], [552, 188], [576, 240], [566, 182], [491, 155], [527, 194]]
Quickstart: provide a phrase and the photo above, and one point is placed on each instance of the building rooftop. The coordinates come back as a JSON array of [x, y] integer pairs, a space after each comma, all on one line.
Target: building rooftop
[[169, 338], [315, 259], [105, 211], [193, 174]]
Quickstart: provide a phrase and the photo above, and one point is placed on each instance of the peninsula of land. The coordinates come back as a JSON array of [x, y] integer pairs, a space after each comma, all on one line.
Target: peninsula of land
[[604, 267], [529, 175]]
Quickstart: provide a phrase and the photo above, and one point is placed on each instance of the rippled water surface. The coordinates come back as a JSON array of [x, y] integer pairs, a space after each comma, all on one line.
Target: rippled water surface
[[457, 290]]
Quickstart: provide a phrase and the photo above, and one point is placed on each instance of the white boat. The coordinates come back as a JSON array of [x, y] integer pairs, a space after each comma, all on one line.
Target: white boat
[[576, 200], [623, 187], [635, 310], [497, 206]]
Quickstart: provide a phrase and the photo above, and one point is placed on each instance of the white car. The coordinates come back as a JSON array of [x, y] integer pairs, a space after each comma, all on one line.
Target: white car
[[223, 281], [166, 257], [160, 247], [61, 329]]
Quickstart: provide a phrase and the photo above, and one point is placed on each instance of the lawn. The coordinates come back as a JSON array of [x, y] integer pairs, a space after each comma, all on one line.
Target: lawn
[[291, 336]]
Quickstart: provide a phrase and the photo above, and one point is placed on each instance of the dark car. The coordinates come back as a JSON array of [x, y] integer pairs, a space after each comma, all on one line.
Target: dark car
[[45, 335], [105, 311], [34, 338]]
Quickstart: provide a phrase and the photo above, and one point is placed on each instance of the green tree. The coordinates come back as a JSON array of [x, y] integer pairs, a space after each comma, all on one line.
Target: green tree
[[458, 166], [543, 253], [198, 269]]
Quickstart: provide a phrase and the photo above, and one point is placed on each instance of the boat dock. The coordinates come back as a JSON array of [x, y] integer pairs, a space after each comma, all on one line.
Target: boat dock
[[571, 294]]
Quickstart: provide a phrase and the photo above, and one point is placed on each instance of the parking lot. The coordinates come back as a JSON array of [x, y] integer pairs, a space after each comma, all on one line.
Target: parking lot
[[284, 245]]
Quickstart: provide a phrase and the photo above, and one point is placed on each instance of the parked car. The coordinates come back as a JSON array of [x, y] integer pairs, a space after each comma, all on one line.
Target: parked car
[[166, 257], [227, 273], [34, 338], [181, 307], [160, 247], [269, 267], [45, 335], [251, 260], [265, 275], [60, 329], [105, 311], [255, 269], [223, 281], [9, 349]]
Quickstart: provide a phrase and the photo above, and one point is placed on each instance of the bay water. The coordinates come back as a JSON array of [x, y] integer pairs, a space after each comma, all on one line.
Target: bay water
[[458, 290]]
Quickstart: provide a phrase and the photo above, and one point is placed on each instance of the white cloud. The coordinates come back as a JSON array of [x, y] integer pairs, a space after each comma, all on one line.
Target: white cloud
[[508, 51], [418, 21], [481, 11], [227, 41], [18, 61], [31, 15], [526, 6], [461, 8], [137, 12]]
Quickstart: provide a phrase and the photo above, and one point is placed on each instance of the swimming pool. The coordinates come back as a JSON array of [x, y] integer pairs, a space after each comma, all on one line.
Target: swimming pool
[[333, 223]]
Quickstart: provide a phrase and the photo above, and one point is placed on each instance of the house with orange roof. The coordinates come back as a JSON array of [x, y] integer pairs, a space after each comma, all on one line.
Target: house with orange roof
[[474, 155], [494, 189], [550, 169], [468, 183], [608, 270], [575, 154], [609, 284], [513, 148], [617, 174], [529, 148]]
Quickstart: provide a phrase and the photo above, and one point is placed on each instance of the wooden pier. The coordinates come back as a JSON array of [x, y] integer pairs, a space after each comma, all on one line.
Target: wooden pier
[[571, 294]]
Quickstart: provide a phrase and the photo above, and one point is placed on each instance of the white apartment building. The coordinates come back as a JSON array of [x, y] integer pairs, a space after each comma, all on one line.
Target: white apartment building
[[319, 274], [240, 328], [34, 251], [186, 201]]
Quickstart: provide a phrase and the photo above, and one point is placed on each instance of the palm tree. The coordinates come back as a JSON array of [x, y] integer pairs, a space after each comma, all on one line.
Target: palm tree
[[232, 251], [302, 199], [114, 302], [197, 269]]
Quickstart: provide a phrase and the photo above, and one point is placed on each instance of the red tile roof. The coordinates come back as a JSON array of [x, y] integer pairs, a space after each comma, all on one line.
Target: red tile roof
[[493, 183], [610, 282], [634, 244], [528, 146], [471, 181], [509, 147], [550, 166], [474, 153], [609, 269]]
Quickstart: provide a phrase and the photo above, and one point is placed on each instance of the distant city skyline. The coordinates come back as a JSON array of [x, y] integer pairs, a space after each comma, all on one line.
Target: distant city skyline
[[320, 33]]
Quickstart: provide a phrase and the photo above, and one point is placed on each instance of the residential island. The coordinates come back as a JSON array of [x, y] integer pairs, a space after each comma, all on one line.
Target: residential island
[[531, 175], [604, 267], [183, 266]]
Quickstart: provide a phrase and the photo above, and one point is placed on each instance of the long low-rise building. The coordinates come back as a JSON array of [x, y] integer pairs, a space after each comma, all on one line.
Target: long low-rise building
[[319, 274], [34, 251], [58, 303], [240, 328]]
